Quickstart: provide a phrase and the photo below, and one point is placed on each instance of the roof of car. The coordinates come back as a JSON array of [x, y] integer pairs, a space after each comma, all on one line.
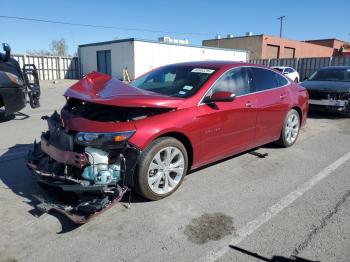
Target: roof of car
[[282, 67], [217, 64]]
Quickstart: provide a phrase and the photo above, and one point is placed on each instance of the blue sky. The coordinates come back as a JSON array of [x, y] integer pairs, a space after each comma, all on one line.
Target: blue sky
[[304, 20]]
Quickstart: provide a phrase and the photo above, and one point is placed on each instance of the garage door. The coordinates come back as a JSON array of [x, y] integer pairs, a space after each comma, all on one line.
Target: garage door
[[273, 51], [289, 52]]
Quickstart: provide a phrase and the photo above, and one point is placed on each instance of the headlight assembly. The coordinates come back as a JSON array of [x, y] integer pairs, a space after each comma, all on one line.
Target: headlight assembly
[[102, 139]]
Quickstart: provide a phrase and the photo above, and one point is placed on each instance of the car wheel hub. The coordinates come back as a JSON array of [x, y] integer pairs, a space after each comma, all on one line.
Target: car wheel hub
[[292, 128], [166, 170]]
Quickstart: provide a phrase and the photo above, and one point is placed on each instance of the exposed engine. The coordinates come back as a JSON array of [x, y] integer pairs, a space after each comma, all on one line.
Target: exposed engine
[[107, 113], [85, 180], [99, 171]]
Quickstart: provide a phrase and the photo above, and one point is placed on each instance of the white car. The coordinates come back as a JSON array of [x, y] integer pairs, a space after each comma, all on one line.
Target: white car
[[289, 72]]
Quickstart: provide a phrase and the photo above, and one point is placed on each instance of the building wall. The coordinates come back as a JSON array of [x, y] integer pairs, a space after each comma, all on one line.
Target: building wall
[[302, 49], [265, 46], [122, 56], [150, 55], [334, 43], [253, 44], [138, 57]]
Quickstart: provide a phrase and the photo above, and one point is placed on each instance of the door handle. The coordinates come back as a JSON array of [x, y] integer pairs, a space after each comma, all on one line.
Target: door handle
[[248, 104], [282, 96]]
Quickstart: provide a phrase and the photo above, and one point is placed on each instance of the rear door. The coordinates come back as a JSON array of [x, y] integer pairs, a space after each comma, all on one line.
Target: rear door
[[273, 101], [228, 127]]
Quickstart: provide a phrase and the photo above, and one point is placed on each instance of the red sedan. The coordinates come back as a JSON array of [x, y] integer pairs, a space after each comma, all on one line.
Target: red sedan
[[148, 134]]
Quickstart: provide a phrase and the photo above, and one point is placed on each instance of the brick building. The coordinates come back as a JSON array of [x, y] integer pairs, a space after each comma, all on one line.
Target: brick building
[[266, 46]]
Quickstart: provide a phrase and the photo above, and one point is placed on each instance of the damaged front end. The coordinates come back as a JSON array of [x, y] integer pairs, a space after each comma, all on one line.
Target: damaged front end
[[82, 173], [330, 101]]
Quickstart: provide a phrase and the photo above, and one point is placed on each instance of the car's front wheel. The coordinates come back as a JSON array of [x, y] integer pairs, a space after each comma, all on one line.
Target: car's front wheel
[[162, 167], [290, 129]]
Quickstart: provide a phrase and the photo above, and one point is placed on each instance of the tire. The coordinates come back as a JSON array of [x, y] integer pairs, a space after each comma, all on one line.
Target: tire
[[290, 130], [296, 80], [154, 179]]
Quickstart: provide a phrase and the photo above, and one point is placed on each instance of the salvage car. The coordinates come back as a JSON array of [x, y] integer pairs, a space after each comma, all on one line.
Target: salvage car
[[289, 72], [16, 83], [146, 135], [329, 89]]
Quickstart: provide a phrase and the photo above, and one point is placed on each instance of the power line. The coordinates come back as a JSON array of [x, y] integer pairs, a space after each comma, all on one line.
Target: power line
[[100, 26]]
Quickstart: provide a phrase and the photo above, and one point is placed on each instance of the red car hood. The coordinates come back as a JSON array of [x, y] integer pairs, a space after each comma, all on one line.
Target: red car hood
[[103, 89]]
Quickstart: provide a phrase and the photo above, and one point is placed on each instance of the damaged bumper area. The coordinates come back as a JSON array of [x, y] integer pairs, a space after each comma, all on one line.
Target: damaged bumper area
[[330, 101], [80, 173]]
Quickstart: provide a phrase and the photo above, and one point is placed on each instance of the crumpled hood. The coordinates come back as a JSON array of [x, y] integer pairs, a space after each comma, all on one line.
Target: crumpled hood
[[331, 86], [103, 89]]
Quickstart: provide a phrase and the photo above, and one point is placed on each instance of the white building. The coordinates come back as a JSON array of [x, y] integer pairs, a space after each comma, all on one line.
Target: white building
[[138, 56]]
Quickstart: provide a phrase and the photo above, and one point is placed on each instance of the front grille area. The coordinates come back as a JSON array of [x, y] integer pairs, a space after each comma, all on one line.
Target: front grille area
[[318, 95], [314, 94]]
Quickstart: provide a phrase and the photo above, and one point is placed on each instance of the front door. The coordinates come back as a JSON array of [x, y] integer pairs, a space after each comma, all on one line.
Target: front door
[[228, 127]]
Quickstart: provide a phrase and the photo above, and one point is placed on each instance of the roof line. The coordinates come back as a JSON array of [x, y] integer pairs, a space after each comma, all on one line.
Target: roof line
[[157, 42]]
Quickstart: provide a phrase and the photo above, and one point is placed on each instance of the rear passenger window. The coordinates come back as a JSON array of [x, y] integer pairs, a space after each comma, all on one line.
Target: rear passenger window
[[265, 79], [282, 81]]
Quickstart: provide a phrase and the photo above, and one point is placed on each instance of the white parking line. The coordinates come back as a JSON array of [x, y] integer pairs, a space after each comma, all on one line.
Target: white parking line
[[253, 225]]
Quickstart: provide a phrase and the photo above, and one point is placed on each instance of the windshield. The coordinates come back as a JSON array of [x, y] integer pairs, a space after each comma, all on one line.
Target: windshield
[[331, 74], [175, 81]]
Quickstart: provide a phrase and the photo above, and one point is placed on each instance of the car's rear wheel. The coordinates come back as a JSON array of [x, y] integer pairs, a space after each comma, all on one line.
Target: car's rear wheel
[[296, 80], [290, 129], [162, 167]]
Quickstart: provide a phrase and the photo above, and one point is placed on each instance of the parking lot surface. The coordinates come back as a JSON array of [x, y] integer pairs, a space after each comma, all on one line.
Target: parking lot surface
[[295, 203]]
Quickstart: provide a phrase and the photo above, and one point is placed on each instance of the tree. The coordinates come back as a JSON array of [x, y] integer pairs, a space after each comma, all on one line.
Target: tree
[[59, 47]]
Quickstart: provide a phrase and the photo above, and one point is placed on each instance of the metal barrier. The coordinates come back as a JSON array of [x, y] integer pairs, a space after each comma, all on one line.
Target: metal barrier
[[305, 66], [52, 67]]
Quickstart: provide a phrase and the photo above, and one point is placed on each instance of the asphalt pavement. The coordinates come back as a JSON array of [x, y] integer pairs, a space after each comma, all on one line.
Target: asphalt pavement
[[293, 205]]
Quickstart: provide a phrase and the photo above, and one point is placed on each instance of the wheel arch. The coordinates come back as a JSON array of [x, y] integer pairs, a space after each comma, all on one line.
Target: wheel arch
[[298, 109], [184, 140]]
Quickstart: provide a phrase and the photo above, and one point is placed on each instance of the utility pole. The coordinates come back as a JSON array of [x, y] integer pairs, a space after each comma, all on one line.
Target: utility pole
[[281, 25]]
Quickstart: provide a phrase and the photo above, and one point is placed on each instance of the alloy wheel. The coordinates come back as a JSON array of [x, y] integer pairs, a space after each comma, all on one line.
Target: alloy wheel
[[292, 128], [166, 170]]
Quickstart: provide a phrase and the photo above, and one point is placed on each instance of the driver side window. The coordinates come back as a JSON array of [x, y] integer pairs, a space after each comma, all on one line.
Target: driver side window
[[235, 81]]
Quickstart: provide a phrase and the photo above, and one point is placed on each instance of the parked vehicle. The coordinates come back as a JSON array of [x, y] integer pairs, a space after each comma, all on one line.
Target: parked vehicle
[[288, 71], [149, 133], [329, 89], [16, 84]]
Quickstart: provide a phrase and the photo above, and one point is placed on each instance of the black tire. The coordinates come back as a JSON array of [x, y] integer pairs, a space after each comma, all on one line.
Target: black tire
[[283, 141], [296, 80], [142, 186]]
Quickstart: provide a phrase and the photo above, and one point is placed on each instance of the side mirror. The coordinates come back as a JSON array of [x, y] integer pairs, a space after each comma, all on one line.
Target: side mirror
[[220, 96], [7, 50]]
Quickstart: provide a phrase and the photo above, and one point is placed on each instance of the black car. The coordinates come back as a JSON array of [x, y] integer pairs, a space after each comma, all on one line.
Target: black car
[[17, 83], [329, 89]]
